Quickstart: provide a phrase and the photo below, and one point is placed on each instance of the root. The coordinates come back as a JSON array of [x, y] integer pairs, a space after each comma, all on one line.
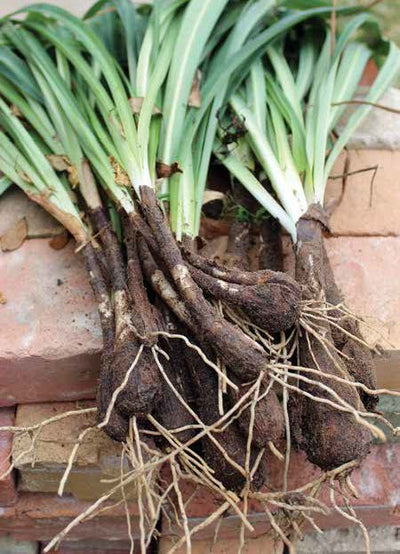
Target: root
[[214, 424], [273, 305], [126, 506], [279, 531], [34, 431], [229, 275], [282, 370], [203, 525], [118, 425], [121, 387], [186, 465], [350, 516], [71, 460], [235, 349], [217, 444], [339, 406], [268, 423], [202, 355], [318, 427]]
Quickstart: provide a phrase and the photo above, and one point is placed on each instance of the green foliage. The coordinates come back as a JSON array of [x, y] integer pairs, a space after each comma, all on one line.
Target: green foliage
[[115, 88], [245, 216], [5, 184], [305, 100]]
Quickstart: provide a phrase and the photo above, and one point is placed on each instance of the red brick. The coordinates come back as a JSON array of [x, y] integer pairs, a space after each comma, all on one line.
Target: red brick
[[15, 204], [370, 74], [377, 481], [94, 547], [260, 545], [98, 457], [40, 517], [50, 339], [366, 270], [8, 495], [371, 516], [365, 208], [380, 130]]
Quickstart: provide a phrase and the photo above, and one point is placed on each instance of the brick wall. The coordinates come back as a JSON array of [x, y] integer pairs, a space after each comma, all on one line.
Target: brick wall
[[49, 351], [78, 7]]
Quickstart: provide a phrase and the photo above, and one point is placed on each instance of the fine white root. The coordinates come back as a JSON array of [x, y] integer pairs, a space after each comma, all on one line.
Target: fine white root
[[276, 452], [126, 506], [49, 421], [202, 355], [203, 525], [156, 498], [34, 432], [71, 459], [119, 389], [288, 432], [181, 507], [326, 309], [340, 405], [279, 531], [351, 517]]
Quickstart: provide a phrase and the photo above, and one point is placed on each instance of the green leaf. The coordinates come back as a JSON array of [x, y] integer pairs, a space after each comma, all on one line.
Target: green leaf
[[133, 34], [98, 51], [198, 22], [305, 4], [296, 125], [306, 64], [251, 16], [5, 183], [255, 188], [388, 73], [17, 71]]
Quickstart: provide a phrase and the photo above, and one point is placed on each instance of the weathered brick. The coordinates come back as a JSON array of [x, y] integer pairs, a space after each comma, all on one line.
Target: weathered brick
[[366, 271], [98, 456], [8, 495], [11, 546], [39, 517], [95, 547], [230, 525], [349, 541], [376, 480], [381, 129], [390, 407], [369, 292], [368, 205], [260, 545], [15, 204], [384, 540], [50, 339]]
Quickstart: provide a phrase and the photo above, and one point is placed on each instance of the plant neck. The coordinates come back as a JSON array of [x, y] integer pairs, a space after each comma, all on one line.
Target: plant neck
[[310, 249]]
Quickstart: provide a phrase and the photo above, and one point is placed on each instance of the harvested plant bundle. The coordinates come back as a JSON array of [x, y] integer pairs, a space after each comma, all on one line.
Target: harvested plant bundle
[[109, 123], [290, 110], [106, 129]]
